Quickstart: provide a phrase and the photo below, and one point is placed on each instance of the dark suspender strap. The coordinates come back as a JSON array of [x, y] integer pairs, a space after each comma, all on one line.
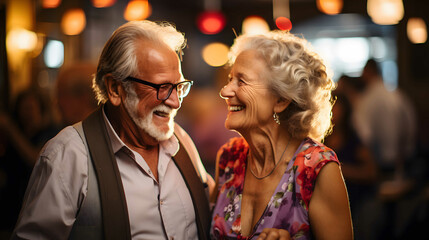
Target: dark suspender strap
[[116, 223], [88, 223], [196, 189]]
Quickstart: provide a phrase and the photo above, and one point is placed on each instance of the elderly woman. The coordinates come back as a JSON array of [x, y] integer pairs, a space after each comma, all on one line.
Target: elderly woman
[[278, 181]]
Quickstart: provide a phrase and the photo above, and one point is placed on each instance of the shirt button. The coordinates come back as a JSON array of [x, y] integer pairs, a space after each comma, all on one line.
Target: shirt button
[[161, 202], [171, 238]]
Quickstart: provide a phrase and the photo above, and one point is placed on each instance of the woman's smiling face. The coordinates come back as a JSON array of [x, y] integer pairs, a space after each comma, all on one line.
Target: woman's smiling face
[[250, 101]]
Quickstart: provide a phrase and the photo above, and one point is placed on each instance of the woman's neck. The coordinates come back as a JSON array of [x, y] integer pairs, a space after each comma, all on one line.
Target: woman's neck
[[266, 145]]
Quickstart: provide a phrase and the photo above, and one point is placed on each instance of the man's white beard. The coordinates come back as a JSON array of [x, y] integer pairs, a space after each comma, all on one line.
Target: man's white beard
[[146, 123]]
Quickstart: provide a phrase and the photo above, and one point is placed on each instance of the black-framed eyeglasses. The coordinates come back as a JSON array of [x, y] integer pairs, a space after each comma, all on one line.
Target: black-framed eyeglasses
[[163, 91]]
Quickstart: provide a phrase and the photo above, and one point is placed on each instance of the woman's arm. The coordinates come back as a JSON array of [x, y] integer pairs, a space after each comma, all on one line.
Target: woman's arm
[[329, 209]]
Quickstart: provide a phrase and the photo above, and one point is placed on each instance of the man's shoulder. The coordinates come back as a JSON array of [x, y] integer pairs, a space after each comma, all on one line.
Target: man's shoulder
[[67, 139]]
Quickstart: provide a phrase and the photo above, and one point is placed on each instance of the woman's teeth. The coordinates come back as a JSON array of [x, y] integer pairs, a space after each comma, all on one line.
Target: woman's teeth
[[235, 108]]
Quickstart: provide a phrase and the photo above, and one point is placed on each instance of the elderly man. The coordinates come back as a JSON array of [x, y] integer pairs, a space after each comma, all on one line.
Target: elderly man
[[127, 171]]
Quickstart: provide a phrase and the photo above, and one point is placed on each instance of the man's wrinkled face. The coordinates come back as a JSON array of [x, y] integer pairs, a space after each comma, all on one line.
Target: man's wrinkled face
[[156, 64]]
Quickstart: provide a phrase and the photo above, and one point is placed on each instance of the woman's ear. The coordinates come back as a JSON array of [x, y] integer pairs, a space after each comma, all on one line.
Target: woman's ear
[[281, 104], [114, 90]]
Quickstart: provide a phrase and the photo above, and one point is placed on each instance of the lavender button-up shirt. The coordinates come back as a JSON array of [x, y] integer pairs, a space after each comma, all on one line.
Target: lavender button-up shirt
[[58, 186]]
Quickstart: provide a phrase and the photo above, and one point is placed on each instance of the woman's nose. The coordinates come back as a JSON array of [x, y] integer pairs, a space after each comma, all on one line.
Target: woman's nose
[[227, 91]]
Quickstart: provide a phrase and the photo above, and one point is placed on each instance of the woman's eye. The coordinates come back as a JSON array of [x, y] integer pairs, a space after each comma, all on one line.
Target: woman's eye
[[241, 82]]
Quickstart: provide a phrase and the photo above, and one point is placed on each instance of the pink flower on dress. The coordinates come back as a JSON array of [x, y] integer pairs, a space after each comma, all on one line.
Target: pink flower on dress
[[219, 228]]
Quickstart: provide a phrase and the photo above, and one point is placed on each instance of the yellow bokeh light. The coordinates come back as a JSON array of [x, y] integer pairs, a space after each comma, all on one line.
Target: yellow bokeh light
[[21, 39], [215, 54]]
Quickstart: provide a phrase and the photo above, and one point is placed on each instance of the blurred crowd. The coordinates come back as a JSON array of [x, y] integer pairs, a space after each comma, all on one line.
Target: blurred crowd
[[384, 165], [374, 136]]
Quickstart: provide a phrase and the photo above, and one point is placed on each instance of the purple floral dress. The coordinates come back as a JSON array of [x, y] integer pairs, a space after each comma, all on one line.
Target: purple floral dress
[[288, 207]]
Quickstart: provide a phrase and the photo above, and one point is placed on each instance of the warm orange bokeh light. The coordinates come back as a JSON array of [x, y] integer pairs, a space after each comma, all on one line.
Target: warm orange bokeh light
[[385, 12], [103, 3], [254, 25], [417, 30], [51, 3], [215, 54], [73, 21], [330, 7], [137, 10]]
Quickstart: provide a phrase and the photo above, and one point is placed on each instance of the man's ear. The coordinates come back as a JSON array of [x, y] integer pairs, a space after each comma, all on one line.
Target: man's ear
[[114, 89], [281, 104]]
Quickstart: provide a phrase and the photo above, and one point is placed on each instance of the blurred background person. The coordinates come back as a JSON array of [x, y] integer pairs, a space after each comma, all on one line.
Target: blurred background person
[[74, 95], [357, 163], [385, 120], [22, 134]]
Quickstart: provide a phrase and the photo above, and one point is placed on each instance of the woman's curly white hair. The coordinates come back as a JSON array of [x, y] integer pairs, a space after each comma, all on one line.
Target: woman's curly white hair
[[295, 73]]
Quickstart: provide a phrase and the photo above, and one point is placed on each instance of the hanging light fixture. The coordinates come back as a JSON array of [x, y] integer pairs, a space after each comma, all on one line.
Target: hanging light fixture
[[416, 30], [73, 21], [385, 12], [330, 7], [137, 10]]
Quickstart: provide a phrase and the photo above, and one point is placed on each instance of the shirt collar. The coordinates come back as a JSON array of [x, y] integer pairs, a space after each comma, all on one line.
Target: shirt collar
[[169, 146]]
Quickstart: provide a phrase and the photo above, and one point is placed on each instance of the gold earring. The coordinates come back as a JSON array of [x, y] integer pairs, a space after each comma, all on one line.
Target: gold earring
[[276, 118]]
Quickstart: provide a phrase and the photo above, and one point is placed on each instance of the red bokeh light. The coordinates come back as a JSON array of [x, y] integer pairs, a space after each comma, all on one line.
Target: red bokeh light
[[211, 22], [283, 23]]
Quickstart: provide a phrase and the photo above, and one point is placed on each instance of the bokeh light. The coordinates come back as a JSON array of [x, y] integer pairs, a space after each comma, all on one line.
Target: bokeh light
[[51, 3], [385, 12], [283, 23], [54, 54], [211, 22], [215, 54], [73, 21], [137, 10], [21, 39], [103, 3], [254, 25], [330, 7], [416, 30]]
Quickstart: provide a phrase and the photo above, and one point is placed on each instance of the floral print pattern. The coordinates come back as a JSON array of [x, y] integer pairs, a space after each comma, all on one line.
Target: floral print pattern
[[287, 208]]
